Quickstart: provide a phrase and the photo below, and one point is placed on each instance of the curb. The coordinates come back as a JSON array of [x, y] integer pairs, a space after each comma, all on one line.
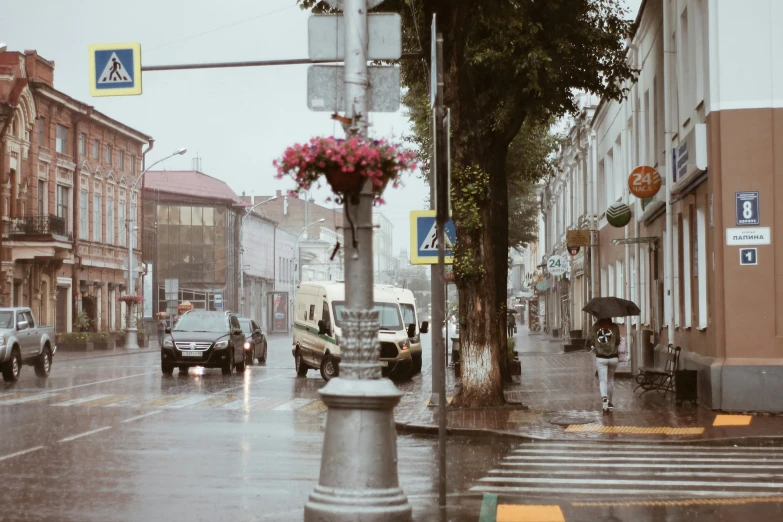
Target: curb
[[424, 429], [136, 352]]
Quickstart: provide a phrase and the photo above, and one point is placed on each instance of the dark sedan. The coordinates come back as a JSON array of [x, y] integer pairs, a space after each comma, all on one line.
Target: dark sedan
[[255, 341], [208, 339]]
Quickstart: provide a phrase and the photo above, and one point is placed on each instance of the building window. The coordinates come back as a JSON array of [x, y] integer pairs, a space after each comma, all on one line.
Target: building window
[[122, 160], [97, 210], [108, 155], [84, 216], [121, 216], [644, 258], [110, 220], [96, 150], [42, 210], [676, 270], [133, 164], [82, 144], [686, 268], [63, 197], [701, 269], [61, 145], [684, 55], [42, 132]]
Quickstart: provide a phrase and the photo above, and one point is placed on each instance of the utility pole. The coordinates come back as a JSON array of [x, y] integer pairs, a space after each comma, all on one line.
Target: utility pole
[[358, 480]]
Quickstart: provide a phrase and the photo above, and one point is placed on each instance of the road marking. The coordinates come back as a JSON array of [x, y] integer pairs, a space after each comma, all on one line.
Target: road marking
[[23, 452], [137, 417], [594, 464], [85, 434], [254, 382], [101, 382], [111, 400], [615, 492], [732, 420], [33, 398], [160, 401], [645, 459], [663, 451], [685, 502], [14, 396], [267, 403], [640, 430], [190, 401], [529, 513], [293, 405], [242, 403], [652, 445], [81, 400], [609, 482], [593, 473], [216, 401]]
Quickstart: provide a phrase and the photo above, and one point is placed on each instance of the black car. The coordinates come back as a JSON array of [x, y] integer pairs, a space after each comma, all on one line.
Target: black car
[[255, 341], [208, 339]]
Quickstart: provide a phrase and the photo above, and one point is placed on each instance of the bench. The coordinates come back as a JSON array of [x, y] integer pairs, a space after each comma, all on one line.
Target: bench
[[660, 378]]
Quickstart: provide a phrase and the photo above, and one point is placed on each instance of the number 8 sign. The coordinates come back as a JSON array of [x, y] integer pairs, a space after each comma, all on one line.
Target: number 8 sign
[[644, 182]]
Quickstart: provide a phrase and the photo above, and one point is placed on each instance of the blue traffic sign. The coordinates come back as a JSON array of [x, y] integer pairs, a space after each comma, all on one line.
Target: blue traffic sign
[[115, 69], [424, 247], [218, 296]]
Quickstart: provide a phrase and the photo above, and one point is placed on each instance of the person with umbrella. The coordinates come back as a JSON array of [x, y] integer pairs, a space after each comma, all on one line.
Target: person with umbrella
[[161, 326], [511, 324], [604, 337]]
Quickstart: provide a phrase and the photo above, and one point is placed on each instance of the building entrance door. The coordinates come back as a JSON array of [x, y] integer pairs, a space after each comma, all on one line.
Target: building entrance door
[[61, 315]]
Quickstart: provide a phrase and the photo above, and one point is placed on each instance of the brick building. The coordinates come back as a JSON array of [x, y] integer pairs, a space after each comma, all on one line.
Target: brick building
[[65, 170]]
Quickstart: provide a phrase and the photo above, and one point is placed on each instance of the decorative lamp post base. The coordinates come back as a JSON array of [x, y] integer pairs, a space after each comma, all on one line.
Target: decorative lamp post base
[[131, 338], [358, 479]]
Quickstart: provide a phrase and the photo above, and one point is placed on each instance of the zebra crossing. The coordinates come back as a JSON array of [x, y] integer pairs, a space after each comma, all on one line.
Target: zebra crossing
[[608, 472], [224, 402]]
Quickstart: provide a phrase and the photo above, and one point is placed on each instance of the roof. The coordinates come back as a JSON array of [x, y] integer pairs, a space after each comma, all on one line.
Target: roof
[[190, 183]]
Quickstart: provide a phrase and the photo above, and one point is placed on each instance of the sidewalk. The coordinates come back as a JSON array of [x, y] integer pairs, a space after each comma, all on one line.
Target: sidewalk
[[61, 355], [558, 398]]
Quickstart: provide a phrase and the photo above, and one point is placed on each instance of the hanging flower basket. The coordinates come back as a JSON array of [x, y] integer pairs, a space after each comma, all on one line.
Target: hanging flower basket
[[346, 164], [131, 299]]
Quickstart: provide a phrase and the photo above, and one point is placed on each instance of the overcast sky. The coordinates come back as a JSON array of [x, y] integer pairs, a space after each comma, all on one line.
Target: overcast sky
[[236, 120]]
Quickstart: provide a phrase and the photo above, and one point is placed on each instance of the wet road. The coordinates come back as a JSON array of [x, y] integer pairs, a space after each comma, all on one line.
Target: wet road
[[112, 439]]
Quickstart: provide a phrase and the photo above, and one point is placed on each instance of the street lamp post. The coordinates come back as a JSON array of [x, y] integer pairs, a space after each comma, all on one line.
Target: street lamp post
[[131, 338], [242, 261]]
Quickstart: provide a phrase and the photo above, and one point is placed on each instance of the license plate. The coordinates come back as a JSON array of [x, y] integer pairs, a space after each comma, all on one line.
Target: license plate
[[192, 354], [384, 363]]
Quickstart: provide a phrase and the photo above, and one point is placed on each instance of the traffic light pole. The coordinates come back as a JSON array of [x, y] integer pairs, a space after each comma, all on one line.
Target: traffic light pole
[[358, 479]]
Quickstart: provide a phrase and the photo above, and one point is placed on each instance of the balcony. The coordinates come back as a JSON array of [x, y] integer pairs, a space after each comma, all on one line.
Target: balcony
[[42, 227]]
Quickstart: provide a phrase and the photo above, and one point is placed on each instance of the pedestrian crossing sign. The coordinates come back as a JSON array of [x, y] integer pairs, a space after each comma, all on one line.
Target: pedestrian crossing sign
[[115, 69], [424, 247]]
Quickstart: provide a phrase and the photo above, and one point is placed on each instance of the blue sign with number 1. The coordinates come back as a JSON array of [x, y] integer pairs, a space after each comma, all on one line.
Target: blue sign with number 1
[[749, 256]]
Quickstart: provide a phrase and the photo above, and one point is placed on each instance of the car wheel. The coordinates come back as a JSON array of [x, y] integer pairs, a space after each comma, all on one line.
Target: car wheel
[[329, 368], [417, 364], [262, 359], [12, 368], [241, 364], [167, 369], [252, 357], [43, 366], [301, 366], [228, 366], [183, 370]]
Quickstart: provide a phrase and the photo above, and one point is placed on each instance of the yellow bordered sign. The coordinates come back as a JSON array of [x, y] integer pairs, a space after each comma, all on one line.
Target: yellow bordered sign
[[424, 248], [115, 69]]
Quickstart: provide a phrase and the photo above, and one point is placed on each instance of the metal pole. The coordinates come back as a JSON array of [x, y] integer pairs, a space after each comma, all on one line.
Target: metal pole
[[253, 63], [131, 337], [358, 479]]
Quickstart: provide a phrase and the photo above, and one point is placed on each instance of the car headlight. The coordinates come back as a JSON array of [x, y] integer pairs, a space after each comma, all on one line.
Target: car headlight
[[405, 345], [167, 343], [247, 345], [221, 344]]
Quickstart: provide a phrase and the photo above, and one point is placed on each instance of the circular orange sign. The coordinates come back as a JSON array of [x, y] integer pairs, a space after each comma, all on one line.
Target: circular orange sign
[[644, 182]]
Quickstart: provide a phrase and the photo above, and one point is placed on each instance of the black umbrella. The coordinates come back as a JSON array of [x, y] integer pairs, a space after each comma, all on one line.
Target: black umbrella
[[608, 307]]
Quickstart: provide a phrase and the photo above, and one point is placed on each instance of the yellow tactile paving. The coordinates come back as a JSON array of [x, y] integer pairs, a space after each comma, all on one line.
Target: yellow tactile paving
[[684, 502], [14, 396], [523, 513], [104, 401], [448, 401], [637, 430], [160, 401], [732, 420], [316, 407]]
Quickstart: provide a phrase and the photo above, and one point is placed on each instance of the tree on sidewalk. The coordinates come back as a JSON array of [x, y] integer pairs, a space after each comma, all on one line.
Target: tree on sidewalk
[[505, 62]]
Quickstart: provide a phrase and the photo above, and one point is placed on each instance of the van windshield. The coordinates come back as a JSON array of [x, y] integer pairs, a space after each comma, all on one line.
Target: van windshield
[[408, 313], [388, 315]]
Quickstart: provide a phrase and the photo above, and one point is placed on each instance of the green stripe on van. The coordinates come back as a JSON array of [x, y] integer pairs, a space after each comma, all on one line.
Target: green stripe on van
[[314, 331]]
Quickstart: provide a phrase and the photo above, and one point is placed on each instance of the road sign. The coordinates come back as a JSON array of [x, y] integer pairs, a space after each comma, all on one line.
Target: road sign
[[218, 299], [573, 250], [578, 238], [748, 236], [749, 256], [326, 88], [557, 265], [644, 182], [424, 247], [747, 208], [325, 37], [115, 69], [137, 267]]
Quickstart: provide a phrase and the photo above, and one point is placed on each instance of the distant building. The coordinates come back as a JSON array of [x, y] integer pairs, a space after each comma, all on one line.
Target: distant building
[[66, 171], [384, 262]]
